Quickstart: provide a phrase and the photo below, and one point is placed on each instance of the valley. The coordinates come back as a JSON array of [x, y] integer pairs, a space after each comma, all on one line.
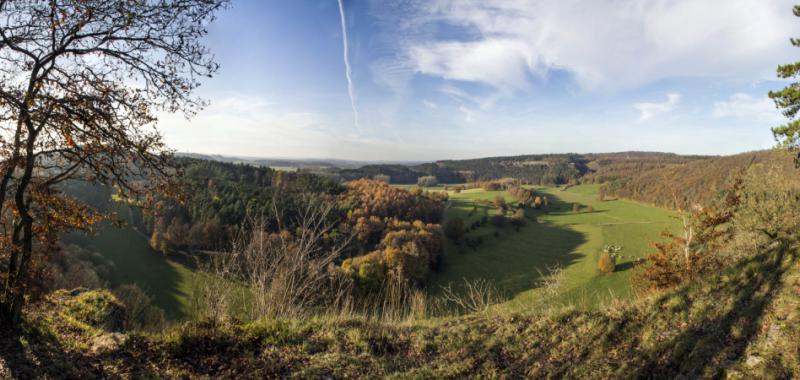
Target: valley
[[517, 260]]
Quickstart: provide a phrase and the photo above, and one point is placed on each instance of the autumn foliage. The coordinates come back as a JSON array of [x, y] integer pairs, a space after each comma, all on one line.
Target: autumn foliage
[[606, 264], [397, 232]]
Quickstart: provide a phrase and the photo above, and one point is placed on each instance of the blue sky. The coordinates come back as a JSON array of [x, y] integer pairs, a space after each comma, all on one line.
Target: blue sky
[[458, 79]]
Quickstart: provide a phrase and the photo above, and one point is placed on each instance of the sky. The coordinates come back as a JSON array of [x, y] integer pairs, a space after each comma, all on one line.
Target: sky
[[449, 79]]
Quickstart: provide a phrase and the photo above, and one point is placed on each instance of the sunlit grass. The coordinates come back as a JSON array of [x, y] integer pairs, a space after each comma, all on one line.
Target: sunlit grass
[[516, 260]]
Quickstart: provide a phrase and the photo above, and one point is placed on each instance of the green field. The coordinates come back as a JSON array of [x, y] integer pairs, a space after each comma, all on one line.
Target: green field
[[515, 261], [166, 281]]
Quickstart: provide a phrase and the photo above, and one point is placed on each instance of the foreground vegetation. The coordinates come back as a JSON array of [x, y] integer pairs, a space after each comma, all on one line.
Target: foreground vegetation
[[739, 323]]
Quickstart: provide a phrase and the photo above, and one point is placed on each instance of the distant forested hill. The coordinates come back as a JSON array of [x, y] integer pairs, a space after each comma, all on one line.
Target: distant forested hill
[[696, 180], [541, 169], [402, 174], [604, 167]]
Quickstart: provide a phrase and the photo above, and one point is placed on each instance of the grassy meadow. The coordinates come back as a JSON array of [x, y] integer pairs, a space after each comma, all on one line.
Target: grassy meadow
[[517, 260], [167, 281]]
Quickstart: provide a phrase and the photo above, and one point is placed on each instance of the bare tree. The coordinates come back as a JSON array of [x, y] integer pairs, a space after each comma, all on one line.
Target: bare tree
[[474, 297], [287, 273], [80, 84]]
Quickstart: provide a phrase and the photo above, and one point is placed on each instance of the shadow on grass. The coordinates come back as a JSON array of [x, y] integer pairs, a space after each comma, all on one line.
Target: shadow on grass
[[31, 352], [628, 265], [694, 331], [725, 326], [23, 355], [514, 261], [134, 262]]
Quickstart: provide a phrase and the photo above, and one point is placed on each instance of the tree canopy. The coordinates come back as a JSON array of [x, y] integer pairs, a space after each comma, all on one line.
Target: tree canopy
[[80, 85], [788, 100]]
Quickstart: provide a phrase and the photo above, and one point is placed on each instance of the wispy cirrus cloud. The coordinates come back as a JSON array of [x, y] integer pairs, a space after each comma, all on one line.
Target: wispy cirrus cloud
[[430, 104], [348, 71]]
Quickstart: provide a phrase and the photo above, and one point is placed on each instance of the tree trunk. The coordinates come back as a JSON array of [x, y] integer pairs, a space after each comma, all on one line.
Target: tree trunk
[[22, 239]]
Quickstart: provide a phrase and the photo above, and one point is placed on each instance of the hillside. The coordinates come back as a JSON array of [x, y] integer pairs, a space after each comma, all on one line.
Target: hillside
[[313, 164], [537, 169], [695, 181], [738, 324], [517, 259]]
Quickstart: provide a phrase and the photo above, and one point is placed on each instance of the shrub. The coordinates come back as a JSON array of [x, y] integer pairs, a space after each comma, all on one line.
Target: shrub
[[606, 264], [491, 186], [576, 207], [590, 209], [140, 314], [382, 178], [518, 219], [499, 202], [371, 273], [454, 229], [498, 220], [427, 181], [96, 308]]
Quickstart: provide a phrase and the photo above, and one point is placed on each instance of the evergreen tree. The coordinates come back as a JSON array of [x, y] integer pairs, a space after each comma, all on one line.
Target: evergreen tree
[[788, 100]]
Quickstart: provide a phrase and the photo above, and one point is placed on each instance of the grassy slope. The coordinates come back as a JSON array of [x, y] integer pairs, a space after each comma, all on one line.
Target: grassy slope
[[741, 323], [167, 281], [515, 260]]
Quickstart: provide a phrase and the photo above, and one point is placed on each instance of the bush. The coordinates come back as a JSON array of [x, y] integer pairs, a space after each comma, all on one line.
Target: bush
[[382, 178], [454, 229], [606, 264], [576, 207], [498, 220], [427, 181], [518, 219], [499, 202], [140, 314], [590, 209], [96, 308], [371, 274]]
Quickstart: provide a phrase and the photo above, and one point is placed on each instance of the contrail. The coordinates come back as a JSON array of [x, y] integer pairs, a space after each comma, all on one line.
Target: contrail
[[347, 71]]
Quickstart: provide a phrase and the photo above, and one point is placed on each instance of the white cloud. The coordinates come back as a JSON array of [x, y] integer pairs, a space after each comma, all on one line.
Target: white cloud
[[247, 125], [744, 106], [430, 104], [483, 102], [649, 110], [604, 43], [469, 116], [497, 62]]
